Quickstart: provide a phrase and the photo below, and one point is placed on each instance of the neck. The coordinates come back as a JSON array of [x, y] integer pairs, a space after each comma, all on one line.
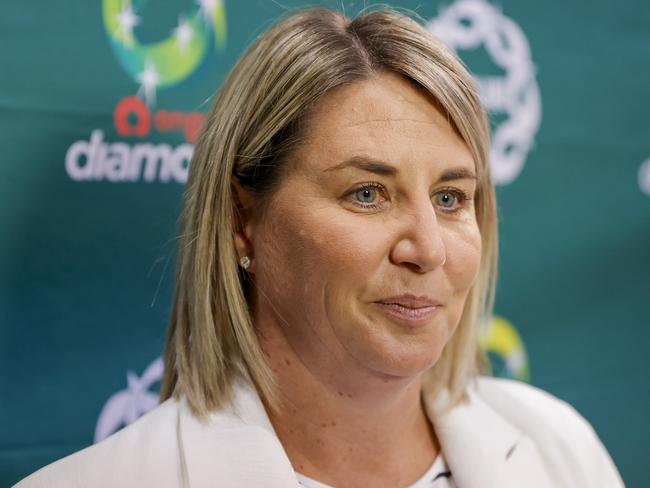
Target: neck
[[343, 425]]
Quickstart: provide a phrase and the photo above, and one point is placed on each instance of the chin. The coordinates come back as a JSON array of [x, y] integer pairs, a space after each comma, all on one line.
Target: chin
[[390, 351], [405, 363]]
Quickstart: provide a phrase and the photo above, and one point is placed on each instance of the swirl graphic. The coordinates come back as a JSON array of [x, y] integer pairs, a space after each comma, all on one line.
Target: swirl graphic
[[166, 62]]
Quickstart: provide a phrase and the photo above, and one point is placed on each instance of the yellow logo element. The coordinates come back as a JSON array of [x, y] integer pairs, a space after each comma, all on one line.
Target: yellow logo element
[[505, 349]]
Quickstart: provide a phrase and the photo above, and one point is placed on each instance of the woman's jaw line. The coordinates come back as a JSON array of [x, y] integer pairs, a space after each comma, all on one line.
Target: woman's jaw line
[[341, 383]]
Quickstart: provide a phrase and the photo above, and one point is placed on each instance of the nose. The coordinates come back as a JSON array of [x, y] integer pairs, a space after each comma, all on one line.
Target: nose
[[419, 244]]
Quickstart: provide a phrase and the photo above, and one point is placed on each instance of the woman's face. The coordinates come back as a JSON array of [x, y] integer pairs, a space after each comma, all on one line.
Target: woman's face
[[367, 251]]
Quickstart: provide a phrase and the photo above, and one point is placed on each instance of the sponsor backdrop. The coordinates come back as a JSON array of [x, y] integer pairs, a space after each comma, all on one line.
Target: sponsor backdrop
[[100, 105]]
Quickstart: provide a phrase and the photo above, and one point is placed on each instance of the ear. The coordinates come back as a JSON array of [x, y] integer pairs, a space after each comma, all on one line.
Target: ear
[[243, 206]]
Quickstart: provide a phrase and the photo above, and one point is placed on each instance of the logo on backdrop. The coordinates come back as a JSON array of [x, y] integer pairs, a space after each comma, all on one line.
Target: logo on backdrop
[[644, 177], [125, 406], [153, 66], [505, 349], [470, 24]]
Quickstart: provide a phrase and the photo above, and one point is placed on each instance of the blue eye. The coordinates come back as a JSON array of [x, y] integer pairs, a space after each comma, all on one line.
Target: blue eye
[[451, 200], [447, 197], [366, 195], [373, 196]]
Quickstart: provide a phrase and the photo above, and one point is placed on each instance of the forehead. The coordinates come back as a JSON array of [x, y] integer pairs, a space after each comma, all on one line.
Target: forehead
[[384, 118]]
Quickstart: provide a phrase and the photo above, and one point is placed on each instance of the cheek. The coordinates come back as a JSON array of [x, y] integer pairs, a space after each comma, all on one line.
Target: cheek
[[302, 255], [464, 247], [271, 257], [340, 252]]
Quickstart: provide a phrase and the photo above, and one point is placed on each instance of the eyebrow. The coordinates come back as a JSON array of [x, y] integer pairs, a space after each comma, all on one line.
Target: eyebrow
[[385, 169]]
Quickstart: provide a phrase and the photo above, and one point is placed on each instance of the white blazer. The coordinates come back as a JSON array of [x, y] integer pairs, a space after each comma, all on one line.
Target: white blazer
[[509, 434]]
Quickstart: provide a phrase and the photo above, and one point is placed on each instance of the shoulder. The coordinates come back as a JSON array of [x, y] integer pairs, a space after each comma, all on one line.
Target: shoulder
[[521, 402], [120, 460], [557, 428], [494, 390]]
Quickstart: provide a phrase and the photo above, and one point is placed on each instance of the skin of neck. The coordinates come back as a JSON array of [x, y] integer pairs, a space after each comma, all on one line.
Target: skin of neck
[[344, 425]]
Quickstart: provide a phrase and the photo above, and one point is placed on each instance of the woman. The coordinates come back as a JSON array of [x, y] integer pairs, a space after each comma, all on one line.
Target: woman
[[338, 251]]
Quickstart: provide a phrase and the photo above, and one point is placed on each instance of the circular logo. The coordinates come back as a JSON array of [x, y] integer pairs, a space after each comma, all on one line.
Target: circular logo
[[168, 61], [470, 24]]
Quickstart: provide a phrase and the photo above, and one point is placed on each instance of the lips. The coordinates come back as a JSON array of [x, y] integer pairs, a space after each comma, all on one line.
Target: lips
[[409, 309], [411, 301]]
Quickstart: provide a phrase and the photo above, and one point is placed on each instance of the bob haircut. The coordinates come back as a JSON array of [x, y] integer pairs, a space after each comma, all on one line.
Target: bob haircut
[[257, 120]]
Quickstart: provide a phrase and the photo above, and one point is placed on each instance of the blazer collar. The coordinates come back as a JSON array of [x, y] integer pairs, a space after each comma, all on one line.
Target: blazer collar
[[238, 446], [476, 441], [233, 447]]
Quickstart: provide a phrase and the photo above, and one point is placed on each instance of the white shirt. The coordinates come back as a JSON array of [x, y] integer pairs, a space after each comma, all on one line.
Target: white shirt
[[437, 476]]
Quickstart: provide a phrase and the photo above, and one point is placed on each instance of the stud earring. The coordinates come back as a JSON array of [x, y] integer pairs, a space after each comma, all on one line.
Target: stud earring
[[245, 262]]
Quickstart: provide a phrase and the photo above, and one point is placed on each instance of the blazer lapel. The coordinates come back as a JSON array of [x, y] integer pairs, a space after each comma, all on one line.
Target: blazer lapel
[[482, 448], [238, 447], [233, 448]]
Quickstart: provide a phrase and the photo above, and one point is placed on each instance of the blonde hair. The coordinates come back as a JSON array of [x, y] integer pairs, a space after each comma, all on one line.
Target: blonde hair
[[257, 120]]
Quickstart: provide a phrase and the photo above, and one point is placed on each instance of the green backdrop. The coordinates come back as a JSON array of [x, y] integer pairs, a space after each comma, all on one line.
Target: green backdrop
[[99, 105]]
